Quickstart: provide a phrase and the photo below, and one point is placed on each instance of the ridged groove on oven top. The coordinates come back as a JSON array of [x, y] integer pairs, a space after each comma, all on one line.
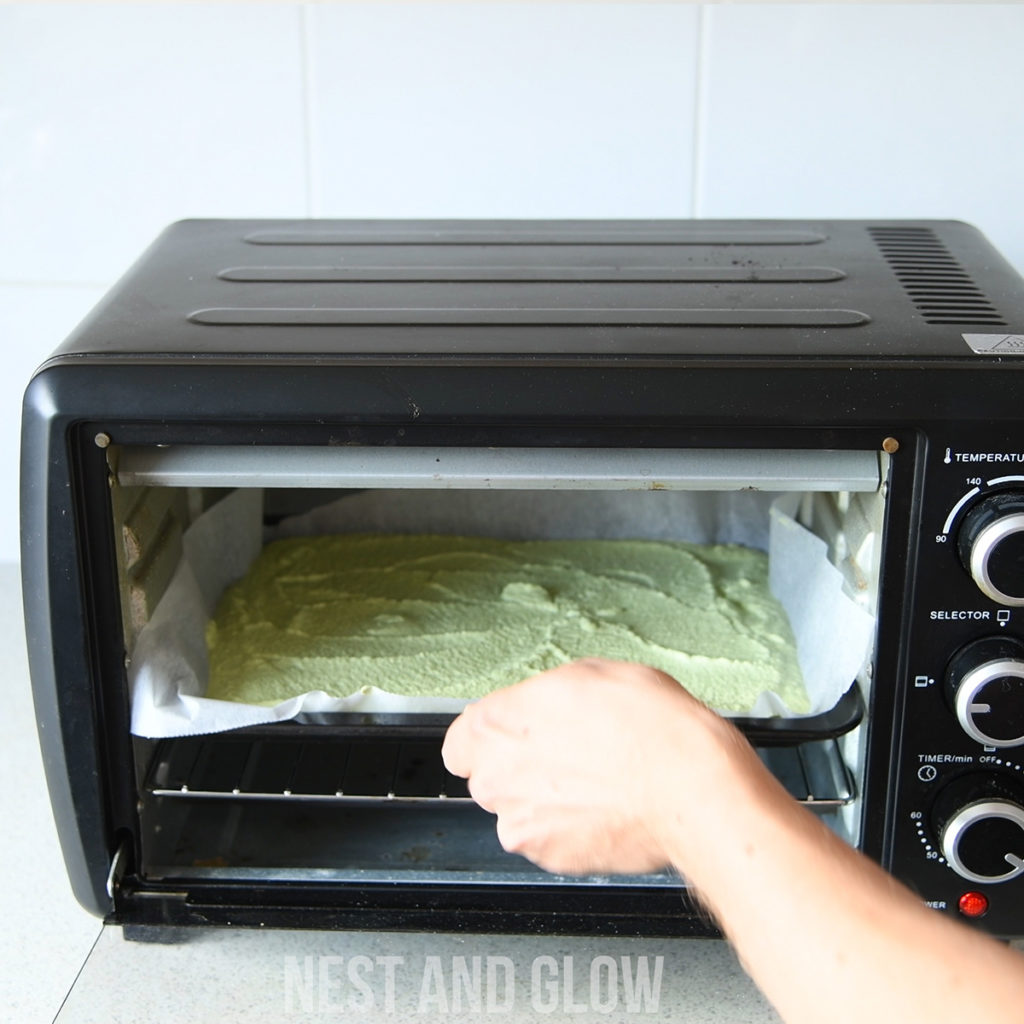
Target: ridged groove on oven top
[[532, 273], [522, 316], [552, 233]]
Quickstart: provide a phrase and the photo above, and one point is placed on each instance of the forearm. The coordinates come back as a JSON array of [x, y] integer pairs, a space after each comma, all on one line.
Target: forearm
[[604, 767], [818, 925]]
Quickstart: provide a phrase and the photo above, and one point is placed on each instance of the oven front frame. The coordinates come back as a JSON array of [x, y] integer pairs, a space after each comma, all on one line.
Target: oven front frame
[[71, 583]]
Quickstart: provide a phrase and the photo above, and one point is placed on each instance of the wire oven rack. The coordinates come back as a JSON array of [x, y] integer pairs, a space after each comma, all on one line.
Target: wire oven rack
[[362, 769]]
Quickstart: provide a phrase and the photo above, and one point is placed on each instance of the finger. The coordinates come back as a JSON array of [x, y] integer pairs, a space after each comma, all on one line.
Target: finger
[[512, 837], [502, 713], [467, 735], [457, 749], [481, 794]]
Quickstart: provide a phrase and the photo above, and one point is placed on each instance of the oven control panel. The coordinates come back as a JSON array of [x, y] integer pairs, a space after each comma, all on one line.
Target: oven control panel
[[958, 830]]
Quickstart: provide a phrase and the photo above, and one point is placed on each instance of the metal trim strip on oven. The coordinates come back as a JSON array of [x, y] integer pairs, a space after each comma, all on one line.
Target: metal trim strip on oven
[[771, 469]]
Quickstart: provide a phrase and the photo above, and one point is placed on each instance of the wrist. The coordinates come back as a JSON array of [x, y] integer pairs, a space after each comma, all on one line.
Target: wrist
[[712, 788]]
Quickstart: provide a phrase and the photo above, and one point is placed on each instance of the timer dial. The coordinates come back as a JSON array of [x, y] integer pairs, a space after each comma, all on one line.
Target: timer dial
[[991, 547], [980, 822], [985, 685]]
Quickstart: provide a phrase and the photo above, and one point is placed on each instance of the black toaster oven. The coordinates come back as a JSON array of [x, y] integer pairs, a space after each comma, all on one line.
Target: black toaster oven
[[558, 378]]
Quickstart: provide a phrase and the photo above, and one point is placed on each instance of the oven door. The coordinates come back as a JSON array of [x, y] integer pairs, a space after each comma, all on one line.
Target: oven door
[[349, 819]]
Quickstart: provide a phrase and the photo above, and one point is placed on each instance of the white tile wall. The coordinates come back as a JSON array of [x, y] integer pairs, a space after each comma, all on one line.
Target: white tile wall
[[33, 320], [117, 119], [516, 110], [865, 111]]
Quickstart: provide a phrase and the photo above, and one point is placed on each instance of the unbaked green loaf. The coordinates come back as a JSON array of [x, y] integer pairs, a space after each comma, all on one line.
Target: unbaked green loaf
[[441, 616]]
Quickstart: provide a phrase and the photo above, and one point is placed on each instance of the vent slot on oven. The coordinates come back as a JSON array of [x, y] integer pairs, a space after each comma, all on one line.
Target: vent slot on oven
[[939, 286]]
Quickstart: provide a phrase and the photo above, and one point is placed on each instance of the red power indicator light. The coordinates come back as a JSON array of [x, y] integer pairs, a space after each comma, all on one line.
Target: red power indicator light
[[973, 904]]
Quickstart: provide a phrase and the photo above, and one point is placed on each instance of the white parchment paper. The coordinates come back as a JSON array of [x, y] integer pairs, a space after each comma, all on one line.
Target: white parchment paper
[[168, 669]]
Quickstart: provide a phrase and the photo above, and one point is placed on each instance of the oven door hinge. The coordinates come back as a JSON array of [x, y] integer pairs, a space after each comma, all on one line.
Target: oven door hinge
[[117, 869]]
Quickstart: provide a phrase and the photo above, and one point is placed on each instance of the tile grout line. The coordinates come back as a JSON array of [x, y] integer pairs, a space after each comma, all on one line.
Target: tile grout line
[[308, 119], [78, 974], [696, 177]]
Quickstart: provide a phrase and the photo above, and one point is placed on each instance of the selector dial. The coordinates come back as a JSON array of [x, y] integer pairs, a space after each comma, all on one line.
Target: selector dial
[[985, 684], [991, 547], [980, 823]]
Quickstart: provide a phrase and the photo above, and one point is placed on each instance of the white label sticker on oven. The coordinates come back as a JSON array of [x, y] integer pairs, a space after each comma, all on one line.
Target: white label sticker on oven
[[996, 344]]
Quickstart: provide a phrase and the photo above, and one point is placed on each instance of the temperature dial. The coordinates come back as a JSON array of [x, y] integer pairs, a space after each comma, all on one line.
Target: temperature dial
[[980, 823], [985, 684], [991, 546]]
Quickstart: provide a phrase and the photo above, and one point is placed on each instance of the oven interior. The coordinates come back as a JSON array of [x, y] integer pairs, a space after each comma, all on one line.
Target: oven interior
[[359, 797]]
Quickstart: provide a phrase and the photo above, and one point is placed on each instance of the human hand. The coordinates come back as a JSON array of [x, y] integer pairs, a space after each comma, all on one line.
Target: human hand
[[583, 764], [603, 766]]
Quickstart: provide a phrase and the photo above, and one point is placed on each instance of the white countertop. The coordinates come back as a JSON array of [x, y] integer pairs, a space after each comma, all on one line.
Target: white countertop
[[61, 964]]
